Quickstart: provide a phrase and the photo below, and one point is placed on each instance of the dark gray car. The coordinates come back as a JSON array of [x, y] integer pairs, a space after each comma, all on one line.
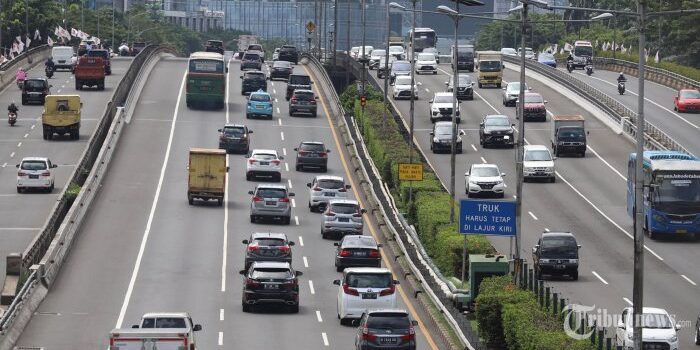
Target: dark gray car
[[303, 101], [251, 61], [312, 154], [465, 87], [235, 138], [357, 251], [556, 253], [266, 246], [385, 329], [442, 138], [496, 130]]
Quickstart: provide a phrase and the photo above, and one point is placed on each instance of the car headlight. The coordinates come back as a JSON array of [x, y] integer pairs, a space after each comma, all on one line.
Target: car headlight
[[673, 339], [472, 182], [573, 261], [544, 261], [528, 169], [659, 218], [487, 132]]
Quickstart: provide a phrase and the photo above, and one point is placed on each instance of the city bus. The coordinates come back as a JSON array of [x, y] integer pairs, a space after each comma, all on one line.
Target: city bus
[[425, 37], [206, 80], [671, 193]]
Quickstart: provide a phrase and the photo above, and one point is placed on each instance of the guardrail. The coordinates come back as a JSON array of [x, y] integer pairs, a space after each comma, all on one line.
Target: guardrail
[[659, 75], [30, 58], [654, 138], [420, 264], [54, 241]]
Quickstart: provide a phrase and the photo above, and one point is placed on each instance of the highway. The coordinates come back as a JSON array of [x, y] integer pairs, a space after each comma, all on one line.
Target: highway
[[658, 106], [23, 215], [143, 249], [588, 199]]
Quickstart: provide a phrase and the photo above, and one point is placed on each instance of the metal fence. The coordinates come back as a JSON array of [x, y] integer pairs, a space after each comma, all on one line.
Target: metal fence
[[659, 75]]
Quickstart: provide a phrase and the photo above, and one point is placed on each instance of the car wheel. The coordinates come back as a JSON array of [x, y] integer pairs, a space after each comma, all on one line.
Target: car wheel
[[339, 268], [575, 275], [246, 307], [324, 235], [538, 274], [294, 309], [286, 220], [249, 177], [190, 199], [19, 189], [252, 219], [298, 167], [314, 115], [553, 179], [324, 169], [697, 337], [220, 201]]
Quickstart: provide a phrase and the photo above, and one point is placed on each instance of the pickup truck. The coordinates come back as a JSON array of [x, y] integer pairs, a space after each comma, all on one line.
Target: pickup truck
[[104, 54], [90, 71], [568, 135]]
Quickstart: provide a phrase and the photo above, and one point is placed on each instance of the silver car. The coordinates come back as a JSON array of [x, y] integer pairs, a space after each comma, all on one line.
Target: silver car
[[323, 188], [342, 217], [271, 202], [511, 93]]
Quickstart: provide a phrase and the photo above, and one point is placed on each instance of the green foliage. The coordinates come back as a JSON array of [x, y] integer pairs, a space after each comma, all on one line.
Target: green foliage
[[72, 191]]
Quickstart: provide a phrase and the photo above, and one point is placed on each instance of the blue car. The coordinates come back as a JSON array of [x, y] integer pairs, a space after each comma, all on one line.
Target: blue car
[[548, 59], [259, 105]]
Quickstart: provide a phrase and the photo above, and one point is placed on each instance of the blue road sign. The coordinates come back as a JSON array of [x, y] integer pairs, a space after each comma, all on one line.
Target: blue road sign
[[487, 217]]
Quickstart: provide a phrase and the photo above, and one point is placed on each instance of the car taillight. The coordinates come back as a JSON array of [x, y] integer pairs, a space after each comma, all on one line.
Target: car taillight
[[374, 254], [342, 190], [293, 100], [249, 282], [222, 137], [322, 154], [192, 346], [46, 173], [253, 248], [313, 102], [284, 200], [303, 153], [21, 173], [330, 213], [350, 291], [284, 249], [367, 336], [257, 199], [317, 188], [357, 215], [345, 252], [411, 334], [388, 291], [251, 161], [275, 162]]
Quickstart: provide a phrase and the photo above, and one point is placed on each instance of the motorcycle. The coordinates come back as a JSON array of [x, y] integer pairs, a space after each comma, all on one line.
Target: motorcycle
[[49, 72], [20, 83], [589, 69], [621, 87], [12, 118], [570, 66]]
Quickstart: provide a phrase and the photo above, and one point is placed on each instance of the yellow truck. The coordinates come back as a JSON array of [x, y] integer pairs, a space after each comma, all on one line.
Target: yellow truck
[[61, 116], [207, 175], [490, 65]]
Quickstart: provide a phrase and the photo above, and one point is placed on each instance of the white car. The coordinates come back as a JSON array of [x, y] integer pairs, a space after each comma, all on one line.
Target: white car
[[484, 179], [368, 52], [529, 54], [509, 51], [398, 52], [658, 328], [511, 93], [264, 163], [354, 52], [402, 88], [538, 163], [324, 188], [276, 54], [35, 172], [426, 63], [179, 320], [376, 57], [441, 107], [362, 289]]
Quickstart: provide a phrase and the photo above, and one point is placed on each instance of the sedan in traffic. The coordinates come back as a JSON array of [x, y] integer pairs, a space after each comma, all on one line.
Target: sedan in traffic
[[281, 70], [357, 251], [547, 59], [496, 130], [687, 100], [259, 105]]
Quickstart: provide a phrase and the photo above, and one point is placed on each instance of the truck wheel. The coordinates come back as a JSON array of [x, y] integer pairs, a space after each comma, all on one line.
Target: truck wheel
[[75, 134], [46, 134], [252, 219], [574, 275], [499, 85], [190, 199], [480, 85], [246, 307], [220, 201], [101, 86], [77, 85]]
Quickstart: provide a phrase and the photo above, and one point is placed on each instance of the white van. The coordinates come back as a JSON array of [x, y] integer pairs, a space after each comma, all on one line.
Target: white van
[[63, 57]]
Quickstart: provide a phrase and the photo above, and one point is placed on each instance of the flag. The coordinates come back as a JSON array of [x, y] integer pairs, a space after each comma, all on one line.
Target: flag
[[14, 48], [657, 56], [568, 47], [20, 47], [73, 32], [49, 41], [556, 47], [29, 41], [37, 35], [12, 55], [596, 43]]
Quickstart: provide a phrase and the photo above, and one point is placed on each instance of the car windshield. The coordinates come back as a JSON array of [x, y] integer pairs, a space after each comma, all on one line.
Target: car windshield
[[368, 280], [282, 64], [33, 165], [426, 57], [388, 320], [533, 99], [272, 193], [98, 53], [313, 147], [403, 80], [215, 43], [571, 133], [300, 80], [690, 94], [677, 189], [331, 184], [490, 66], [260, 97], [430, 50], [484, 171], [656, 321], [206, 66], [546, 57], [583, 51], [269, 242], [364, 241], [304, 96], [445, 129], [378, 53], [255, 47], [34, 84], [255, 76], [537, 155], [508, 51], [465, 80], [251, 57], [442, 99], [397, 49], [561, 246], [264, 156], [164, 322], [234, 132], [344, 208], [497, 121], [268, 272], [401, 66], [515, 88]]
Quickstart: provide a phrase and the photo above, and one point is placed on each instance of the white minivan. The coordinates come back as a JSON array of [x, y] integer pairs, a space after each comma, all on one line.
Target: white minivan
[[62, 57], [362, 289]]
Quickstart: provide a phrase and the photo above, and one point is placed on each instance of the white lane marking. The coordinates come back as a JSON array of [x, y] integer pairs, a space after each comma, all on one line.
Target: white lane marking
[[600, 278], [275, 99], [311, 287], [12, 155], [19, 228], [689, 280], [604, 215], [628, 301], [294, 203], [325, 339], [274, 91], [33, 126], [4, 164], [63, 86], [286, 166], [25, 135], [19, 144], [483, 160], [532, 215], [289, 183], [301, 241], [306, 262], [284, 151], [147, 231], [318, 316], [606, 163], [278, 110], [474, 148], [59, 90], [221, 338], [272, 83], [224, 248], [221, 314], [282, 135], [279, 121], [427, 90], [296, 220]]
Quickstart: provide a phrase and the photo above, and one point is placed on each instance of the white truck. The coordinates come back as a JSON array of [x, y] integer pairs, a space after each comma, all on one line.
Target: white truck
[[568, 135], [149, 339]]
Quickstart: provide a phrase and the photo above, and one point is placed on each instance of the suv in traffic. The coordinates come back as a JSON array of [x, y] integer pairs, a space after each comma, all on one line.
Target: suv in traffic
[[364, 288], [297, 82], [267, 246], [441, 138], [465, 87], [556, 253], [251, 61], [35, 172], [659, 330], [270, 283], [484, 179], [441, 107], [235, 138], [302, 101], [264, 163], [34, 90], [312, 154], [270, 201], [496, 130], [386, 328], [289, 53], [538, 163], [398, 68], [281, 70], [534, 108], [323, 188], [253, 81], [179, 320], [342, 217]]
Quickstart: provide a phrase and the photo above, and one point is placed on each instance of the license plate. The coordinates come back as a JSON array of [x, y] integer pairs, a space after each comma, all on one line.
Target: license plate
[[264, 163], [259, 107], [387, 340], [343, 219], [272, 286], [61, 61], [506, 137], [203, 88], [270, 203], [329, 194], [559, 267], [33, 176], [682, 231], [360, 254], [369, 295]]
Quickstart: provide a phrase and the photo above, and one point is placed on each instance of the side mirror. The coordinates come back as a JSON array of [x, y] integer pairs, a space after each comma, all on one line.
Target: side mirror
[[461, 133], [678, 327], [220, 130], [312, 83], [54, 166], [250, 131], [336, 244], [291, 194], [336, 282], [448, 83], [420, 84], [328, 151], [503, 88], [135, 326], [363, 210], [347, 187], [245, 241], [554, 158], [355, 322], [298, 273], [241, 77], [534, 250], [414, 323], [545, 101], [251, 193], [17, 166], [308, 184], [579, 246], [296, 149], [512, 125], [291, 243], [431, 101], [281, 157], [197, 328], [50, 86], [588, 132], [432, 133], [620, 324], [503, 174], [466, 174], [397, 282], [316, 97], [243, 272]]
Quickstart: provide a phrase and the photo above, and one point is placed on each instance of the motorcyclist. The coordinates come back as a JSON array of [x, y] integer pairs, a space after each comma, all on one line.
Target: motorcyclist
[[50, 63], [621, 78], [21, 74], [570, 58], [12, 108]]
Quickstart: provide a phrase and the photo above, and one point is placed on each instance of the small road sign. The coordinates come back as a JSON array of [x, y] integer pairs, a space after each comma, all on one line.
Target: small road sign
[[410, 171]]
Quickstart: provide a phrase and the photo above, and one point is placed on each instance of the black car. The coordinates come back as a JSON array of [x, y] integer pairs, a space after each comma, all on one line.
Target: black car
[[235, 138], [265, 246], [385, 329], [465, 87], [302, 101], [297, 81], [251, 61], [496, 130], [441, 138], [253, 81], [556, 253], [214, 46], [34, 90], [289, 53], [136, 47], [357, 251], [312, 154], [270, 283], [281, 70]]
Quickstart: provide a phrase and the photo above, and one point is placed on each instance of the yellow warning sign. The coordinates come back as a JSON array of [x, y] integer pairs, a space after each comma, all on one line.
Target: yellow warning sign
[[310, 26], [410, 171]]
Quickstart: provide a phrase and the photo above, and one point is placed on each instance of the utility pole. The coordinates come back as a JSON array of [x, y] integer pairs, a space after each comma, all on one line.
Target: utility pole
[[413, 95], [363, 59], [520, 145], [386, 76], [453, 153], [26, 20], [347, 39], [112, 42], [335, 31]]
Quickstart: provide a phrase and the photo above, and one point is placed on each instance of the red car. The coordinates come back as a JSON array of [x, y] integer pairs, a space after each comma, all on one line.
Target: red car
[[534, 107], [687, 100]]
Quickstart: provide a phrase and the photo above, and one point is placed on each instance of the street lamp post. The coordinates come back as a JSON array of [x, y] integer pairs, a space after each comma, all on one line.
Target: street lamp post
[[386, 77]]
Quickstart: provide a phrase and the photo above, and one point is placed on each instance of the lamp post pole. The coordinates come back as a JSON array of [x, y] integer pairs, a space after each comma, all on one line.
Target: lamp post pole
[[386, 77], [520, 144], [412, 109]]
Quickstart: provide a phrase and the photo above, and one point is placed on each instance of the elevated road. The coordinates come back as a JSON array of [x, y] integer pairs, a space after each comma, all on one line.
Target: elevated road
[[22, 215], [143, 248]]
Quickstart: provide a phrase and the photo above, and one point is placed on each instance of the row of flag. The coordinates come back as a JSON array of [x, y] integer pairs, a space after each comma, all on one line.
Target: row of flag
[[604, 46], [18, 46]]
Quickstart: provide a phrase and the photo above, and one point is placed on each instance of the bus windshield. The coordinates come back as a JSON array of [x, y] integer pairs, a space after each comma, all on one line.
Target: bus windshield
[[206, 66], [677, 191], [583, 51], [425, 39]]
